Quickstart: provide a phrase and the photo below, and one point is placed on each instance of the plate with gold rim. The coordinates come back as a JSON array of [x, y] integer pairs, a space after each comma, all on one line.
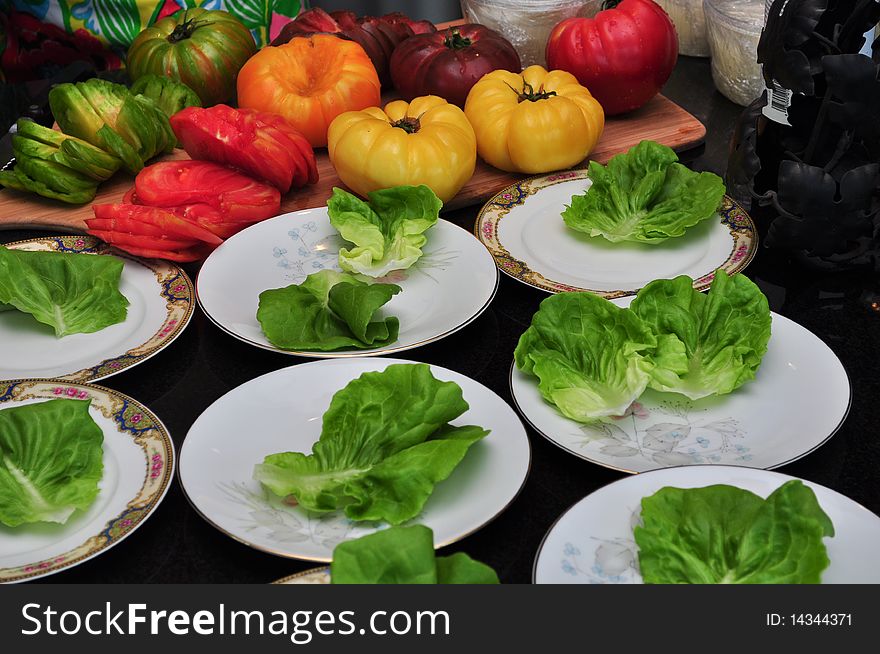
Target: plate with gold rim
[[138, 462], [313, 576], [282, 412], [452, 283], [161, 301], [592, 542], [523, 230]]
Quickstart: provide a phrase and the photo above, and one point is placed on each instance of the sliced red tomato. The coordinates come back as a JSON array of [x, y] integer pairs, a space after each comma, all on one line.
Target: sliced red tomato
[[261, 144], [195, 253], [144, 221], [237, 197], [138, 240]]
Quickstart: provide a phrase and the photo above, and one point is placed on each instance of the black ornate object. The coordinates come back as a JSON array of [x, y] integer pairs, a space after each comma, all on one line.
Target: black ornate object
[[820, 175]]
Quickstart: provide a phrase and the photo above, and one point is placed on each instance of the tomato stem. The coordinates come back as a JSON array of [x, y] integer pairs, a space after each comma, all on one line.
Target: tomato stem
[[529, 93], [408, 124], [185, 29], [609, 4], [455, 41]]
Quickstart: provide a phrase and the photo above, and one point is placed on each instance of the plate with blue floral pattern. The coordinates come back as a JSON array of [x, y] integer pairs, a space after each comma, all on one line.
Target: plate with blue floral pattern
[[592, 542], [138, 467], [798, 400], [446, 289], [283, 410]]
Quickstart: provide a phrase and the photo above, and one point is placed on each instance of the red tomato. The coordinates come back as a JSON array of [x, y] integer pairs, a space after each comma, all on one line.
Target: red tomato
[[623, 56], [152, 223], [236, 197], [261, 144], [450, 62]]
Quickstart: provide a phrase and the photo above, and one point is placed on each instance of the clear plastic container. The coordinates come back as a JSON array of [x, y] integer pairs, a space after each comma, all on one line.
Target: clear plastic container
[[690, 23], [734, 28], [527, 23]]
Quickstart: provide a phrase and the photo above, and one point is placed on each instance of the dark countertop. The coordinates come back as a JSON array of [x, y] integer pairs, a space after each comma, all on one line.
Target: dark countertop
[[176, 545]]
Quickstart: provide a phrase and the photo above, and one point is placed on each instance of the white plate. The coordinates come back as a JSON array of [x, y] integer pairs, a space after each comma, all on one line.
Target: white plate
[[522, 227], [797, 401], [281, 411], [313, 576], [138, 466], [452, 283], [161, 302], [592, 542]]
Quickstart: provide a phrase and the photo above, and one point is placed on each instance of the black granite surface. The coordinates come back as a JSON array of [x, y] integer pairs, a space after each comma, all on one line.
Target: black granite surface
[[176, 545]]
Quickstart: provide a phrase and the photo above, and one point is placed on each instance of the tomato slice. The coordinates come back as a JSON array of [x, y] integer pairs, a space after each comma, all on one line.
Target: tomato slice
[[141, 240], [263, 145], [196, 253], [237, 197], [128, 216]]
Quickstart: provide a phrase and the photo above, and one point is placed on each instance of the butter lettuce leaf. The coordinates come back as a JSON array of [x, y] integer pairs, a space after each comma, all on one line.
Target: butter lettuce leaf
[[385, 443], [328, 311], [644, 196], [50, 461], [707, 344], [724, 534], [404, 555], [388, 232], [589, 355], [73, 293]]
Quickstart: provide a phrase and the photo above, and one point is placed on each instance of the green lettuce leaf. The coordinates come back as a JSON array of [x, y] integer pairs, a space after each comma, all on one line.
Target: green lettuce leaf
[[50, 461], [384, 445], [73, 293], [644, 196], [707, 344], [727, 535], [388, 232], [403, 555], [328, 311], [589, 355]]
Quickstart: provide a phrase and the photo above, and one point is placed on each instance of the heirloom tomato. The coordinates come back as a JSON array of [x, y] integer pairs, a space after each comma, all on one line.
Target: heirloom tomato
[[377, 36], [201, 48], [207, 192], [624, 55], [450, 62], [261, 144], [427, 141], [309, 80], [535, 121]]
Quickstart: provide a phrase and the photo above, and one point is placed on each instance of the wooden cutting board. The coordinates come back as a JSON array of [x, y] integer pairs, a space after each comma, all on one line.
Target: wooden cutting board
[[660, 120]]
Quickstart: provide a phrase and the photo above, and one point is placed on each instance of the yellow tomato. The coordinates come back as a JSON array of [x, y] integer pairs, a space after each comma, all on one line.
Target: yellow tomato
[[426, 141], [534, 121]]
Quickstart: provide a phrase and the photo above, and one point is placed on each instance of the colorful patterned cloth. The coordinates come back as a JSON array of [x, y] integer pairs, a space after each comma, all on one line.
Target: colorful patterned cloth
[[36, 35]]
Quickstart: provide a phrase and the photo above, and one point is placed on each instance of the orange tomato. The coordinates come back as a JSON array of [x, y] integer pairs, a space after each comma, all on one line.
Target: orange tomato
[[309, 80]]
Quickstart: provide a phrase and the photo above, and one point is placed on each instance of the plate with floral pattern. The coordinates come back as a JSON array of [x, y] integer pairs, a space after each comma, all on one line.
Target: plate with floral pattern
[[522, 228], [161, 301], [797, 401], [446, 289], [592, 542], [138, 467], [282, 412]]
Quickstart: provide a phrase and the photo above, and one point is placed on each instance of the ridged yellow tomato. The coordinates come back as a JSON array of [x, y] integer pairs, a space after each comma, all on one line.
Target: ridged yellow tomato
[[534, 121], [426, 141]]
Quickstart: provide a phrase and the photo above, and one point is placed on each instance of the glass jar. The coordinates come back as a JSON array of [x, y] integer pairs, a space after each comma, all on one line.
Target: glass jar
[[690, 24], [734, 29], [527, 23]]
